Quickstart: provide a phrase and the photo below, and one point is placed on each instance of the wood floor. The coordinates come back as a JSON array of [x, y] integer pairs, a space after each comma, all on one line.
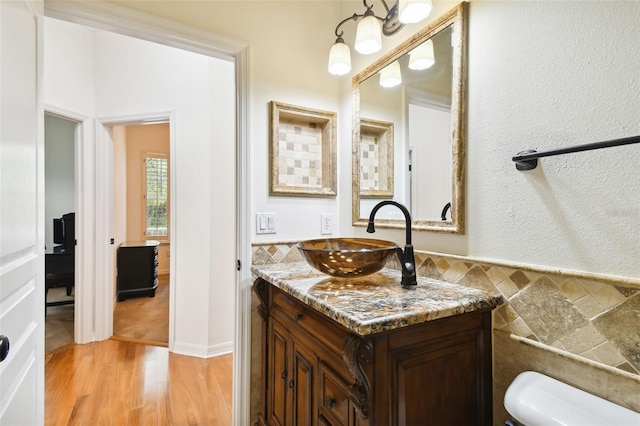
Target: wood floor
[[123, 383], [59, 321], [144, 318]]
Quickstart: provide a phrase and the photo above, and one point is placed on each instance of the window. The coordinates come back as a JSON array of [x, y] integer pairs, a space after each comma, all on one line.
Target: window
[[156, 196]]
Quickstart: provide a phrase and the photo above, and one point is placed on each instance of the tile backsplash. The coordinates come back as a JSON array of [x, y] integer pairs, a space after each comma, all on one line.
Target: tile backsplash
[[588, 317]]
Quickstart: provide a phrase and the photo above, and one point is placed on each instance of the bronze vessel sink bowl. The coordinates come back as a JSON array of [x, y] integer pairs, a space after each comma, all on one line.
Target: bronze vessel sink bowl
[[347, 257]]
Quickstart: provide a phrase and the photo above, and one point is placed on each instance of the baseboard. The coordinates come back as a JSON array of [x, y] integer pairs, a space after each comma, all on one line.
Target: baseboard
[[200, 351]]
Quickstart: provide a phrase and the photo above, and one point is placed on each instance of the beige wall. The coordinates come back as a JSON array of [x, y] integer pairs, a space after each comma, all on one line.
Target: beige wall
[[140, 139]]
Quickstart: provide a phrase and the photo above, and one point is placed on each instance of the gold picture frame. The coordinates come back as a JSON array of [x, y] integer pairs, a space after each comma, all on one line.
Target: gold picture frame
[[303, 151], [376, 158]]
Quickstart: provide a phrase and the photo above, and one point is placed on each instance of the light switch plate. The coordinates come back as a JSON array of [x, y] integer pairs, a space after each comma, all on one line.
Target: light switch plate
[[266, 223]]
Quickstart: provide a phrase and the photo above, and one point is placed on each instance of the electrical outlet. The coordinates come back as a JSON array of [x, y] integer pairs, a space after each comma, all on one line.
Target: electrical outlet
[[326, 224]]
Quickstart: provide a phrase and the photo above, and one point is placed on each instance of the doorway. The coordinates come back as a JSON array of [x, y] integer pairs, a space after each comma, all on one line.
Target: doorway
[[59, 164], [119, 20], [141, 229]]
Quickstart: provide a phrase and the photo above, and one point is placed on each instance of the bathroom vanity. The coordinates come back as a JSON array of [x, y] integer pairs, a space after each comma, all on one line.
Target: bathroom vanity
[[366, 351]]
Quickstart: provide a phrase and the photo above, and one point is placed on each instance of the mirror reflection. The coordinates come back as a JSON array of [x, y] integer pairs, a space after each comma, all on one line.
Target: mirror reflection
[[417, 90]]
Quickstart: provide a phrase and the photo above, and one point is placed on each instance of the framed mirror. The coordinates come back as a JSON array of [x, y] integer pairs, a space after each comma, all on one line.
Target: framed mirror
[[419, 89]]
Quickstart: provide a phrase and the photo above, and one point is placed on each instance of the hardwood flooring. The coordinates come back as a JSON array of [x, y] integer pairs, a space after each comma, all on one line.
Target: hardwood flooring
[[59, 321], [124, 383], [144, 318]]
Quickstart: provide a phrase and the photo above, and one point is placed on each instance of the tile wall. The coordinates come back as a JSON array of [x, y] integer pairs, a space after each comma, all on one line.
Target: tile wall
[[300, 154], [593, 321], [369, 162]]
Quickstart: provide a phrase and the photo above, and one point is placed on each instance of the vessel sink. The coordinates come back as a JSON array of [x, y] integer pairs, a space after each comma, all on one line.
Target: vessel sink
[[347, 257]]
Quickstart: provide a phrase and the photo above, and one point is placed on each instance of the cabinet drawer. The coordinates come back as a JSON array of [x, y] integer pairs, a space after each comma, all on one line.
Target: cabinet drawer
[[327, 332], [334, 397]]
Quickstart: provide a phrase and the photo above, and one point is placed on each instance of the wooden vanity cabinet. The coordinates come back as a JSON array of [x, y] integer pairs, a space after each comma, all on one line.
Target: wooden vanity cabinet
[[306, 380], [317, 372]]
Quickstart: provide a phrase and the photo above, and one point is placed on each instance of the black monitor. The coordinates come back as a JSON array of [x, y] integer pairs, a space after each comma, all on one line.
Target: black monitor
[[58, 231], [64, 233]]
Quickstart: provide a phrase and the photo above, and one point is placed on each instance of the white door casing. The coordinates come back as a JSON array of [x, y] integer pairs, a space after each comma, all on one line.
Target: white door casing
[[21, 213]]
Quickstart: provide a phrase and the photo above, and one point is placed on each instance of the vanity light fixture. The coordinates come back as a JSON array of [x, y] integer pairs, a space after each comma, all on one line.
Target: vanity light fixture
[[422, 57], [412, 11], [370, 28], [390, 75]]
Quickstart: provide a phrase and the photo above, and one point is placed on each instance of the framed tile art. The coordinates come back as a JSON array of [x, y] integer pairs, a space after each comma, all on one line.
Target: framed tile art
[[376, 159], [303, 151]]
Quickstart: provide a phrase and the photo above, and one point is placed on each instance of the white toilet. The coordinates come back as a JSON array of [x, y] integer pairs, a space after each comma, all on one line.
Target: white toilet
[[534, 399]]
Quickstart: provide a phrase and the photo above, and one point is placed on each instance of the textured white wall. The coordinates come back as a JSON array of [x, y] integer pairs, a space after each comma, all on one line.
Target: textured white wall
[[545, 75]]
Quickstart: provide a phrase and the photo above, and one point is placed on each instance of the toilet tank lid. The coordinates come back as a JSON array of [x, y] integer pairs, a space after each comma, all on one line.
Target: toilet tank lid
[[535, 399]]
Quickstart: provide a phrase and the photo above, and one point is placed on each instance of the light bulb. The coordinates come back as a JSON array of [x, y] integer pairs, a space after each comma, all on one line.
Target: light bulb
[[422, 57], [339, 58], [368, 35], [390, 75], [412, 11]]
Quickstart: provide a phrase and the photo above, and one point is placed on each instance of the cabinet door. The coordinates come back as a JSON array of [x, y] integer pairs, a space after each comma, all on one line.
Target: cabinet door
[[277, 374], [438, 383], [303, 385]]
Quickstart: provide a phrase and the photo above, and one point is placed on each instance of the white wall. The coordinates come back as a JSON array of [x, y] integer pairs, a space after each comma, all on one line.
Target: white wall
[[59, 172], [133, 77], [69, 76]]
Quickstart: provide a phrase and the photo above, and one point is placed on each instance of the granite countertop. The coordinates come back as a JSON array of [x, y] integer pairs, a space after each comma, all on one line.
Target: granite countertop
[[377, 302]]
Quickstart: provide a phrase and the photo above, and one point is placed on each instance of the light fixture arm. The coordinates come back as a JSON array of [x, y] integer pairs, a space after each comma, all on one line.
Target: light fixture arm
[[356, 16], [384, 3]]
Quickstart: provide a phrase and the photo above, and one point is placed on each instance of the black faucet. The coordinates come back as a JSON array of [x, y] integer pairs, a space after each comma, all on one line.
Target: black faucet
[[443, 215], [407, 259]]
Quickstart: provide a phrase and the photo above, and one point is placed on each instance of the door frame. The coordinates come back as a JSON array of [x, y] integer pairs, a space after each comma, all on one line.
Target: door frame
[[121, 20], [85, 223], [104, 269]]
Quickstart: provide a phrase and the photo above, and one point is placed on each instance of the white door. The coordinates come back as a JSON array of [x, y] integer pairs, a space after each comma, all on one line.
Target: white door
[[21, 213]]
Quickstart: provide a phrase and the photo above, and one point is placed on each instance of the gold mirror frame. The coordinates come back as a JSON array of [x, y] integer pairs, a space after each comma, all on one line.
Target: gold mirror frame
[[380, 144], [456, 17]]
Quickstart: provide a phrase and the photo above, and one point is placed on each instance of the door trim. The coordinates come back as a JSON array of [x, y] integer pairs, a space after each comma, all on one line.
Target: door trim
[[121, 20]]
